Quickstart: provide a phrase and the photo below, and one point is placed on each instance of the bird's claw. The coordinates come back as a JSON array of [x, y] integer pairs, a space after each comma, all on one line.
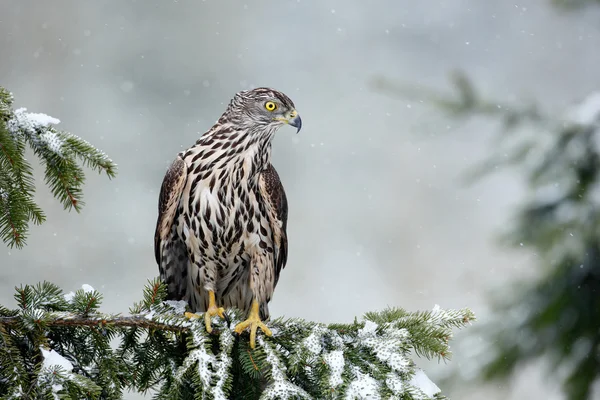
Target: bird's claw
[[190, 315], [211, 312], [254, 323]]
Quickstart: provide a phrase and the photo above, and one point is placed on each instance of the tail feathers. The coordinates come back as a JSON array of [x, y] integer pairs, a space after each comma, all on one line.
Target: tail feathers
[[174, 269]]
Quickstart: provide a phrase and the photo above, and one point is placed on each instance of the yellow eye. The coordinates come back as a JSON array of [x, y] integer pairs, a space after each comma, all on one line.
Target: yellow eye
[[270, 106]]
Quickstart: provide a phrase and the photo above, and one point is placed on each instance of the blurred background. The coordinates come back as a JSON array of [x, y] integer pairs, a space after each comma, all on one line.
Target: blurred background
[[379, 213]]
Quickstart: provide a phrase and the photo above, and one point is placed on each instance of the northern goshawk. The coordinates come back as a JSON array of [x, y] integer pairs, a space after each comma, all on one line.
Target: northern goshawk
[[220, 238]]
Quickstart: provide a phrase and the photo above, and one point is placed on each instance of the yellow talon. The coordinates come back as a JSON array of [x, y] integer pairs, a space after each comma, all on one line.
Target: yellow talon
[[212, 310], [254, 323]]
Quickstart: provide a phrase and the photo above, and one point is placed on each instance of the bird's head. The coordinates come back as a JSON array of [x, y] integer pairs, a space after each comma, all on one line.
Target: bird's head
[[267, 107]]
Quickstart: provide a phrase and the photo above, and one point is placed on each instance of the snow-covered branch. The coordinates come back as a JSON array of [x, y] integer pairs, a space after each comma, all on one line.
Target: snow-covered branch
[[61, 153], [59, 344]]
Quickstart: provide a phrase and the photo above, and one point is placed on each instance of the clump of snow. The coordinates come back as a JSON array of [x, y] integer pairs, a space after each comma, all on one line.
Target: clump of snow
[[394, 382], [422, 382], [87, 288], [53, 141], [41, 119], [335, 362], [199, 355], [362, 387], [367, 330], [57, 387], [313, 342], [178, 306], [226, 341], [387, 346], [587, 112], [52, 359], [150, 315], [281, 387], [29, 123]]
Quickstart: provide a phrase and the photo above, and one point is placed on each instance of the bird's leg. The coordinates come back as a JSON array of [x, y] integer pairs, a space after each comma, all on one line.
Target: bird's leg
[[211, 311], [206, 273], [254, 323]]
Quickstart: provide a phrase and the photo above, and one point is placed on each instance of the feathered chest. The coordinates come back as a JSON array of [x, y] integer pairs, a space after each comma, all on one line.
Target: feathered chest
[[222, 204]]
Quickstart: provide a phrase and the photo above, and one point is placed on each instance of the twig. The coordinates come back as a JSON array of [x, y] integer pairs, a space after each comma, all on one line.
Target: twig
[[121, 322]]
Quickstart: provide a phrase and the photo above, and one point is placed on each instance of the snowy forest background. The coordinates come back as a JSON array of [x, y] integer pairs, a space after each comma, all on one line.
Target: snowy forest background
[[378, 214]]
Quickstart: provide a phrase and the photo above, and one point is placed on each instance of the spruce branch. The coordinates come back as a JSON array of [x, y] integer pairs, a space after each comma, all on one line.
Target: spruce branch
[[58, 344], [58, 151]]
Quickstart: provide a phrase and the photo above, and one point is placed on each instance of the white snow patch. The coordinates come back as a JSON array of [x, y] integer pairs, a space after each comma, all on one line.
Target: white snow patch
[[43, 119], [178, 306], [313, 341], [52, 358], [87, 288], [587, 112], [57, 387], [387, 346], [421, 381], [368, 330], [222, 368], [53, 141], [150, 315], [29, 123], [281, 387], [363, 387], [200, 355], [69, 296], [394, 383], [335, 361]]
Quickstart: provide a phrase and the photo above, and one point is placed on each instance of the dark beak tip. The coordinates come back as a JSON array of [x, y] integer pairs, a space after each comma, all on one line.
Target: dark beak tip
[[297, 123]]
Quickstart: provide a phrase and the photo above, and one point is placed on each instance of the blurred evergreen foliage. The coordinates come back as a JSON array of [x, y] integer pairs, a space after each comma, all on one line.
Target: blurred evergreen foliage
[[58, 151], [557, 317], [572, 4]]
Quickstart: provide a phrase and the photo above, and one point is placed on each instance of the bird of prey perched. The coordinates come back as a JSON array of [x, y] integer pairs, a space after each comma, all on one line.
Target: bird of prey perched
[[220, 238]]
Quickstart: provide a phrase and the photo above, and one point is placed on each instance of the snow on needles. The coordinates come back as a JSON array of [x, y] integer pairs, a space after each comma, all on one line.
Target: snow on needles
[[422, 382], [387, 346], [586, 112], [177, 306], [362, 387], [30, 121], [223, 366], [87, 288], [37, 127], [281, 387], [209, 366], [52, 359], [335, 362], [313, 341]]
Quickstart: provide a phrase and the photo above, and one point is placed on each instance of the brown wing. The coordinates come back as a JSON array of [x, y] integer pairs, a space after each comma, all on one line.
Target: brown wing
[[275, 196], [170, 252]]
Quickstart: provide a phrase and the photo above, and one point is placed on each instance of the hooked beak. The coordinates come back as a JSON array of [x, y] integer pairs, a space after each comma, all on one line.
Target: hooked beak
[[295, 120]]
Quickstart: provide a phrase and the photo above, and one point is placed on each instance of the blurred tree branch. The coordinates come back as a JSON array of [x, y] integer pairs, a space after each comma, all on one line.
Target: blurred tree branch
[[557, 317], [573, 4]]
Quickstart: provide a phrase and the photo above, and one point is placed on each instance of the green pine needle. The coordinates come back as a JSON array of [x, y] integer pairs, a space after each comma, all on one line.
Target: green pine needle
[[61, 154]]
